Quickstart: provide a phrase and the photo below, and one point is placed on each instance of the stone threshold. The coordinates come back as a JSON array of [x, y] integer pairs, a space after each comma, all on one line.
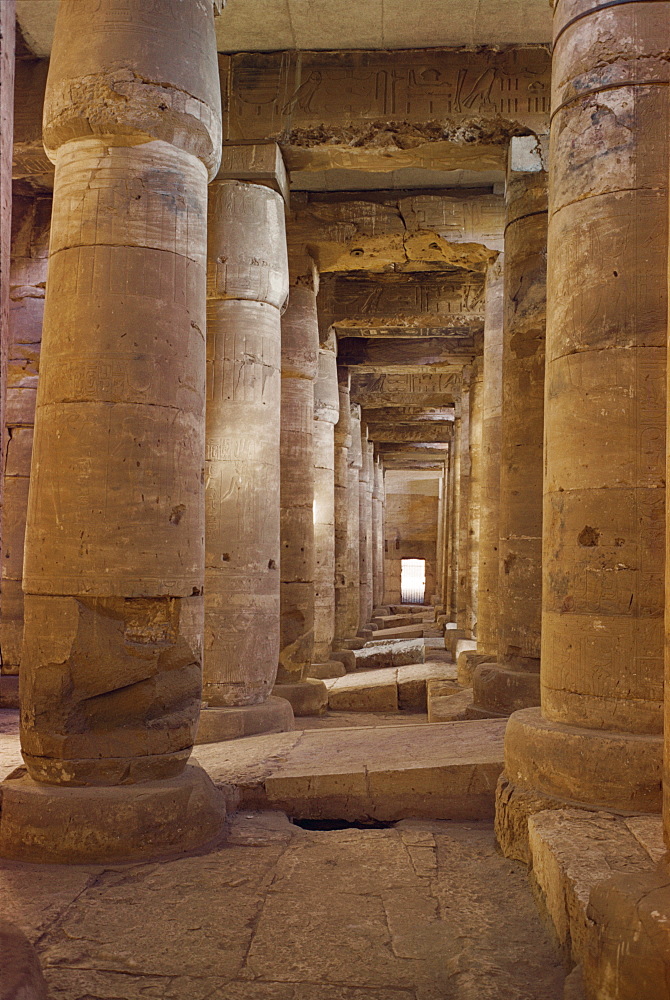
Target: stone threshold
[[446, 771]]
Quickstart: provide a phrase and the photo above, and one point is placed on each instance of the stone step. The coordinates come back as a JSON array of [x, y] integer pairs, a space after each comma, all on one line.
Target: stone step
[[572, 850], [389, 773], [397, 621], [404, 632], [404, 688], [394, 653], [448, 702]]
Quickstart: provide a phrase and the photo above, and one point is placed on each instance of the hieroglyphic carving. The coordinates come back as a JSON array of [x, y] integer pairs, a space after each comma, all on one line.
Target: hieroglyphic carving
[[268, 94], [425, 303]]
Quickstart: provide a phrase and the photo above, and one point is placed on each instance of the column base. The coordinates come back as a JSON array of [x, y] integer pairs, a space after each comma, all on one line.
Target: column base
[[549, 765], [501, 690], [307, 697], [628, 953], [9, 691], [347, 657], [452, 636], [326, 671], [466, 663], [51, 824], [218, 724], [352, 644]]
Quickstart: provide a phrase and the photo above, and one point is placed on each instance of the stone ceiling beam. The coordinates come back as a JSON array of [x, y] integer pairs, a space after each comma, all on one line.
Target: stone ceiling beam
[[399, 303], [422, 433], [431, 389], [379, 232], [425, 352]]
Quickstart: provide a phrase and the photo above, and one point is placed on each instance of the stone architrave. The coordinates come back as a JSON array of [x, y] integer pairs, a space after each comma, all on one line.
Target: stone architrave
[[114, 550], [343, 444], [365, 532], [513, 682], [354, 523], [326, 415], [597, 738], [248, 285]]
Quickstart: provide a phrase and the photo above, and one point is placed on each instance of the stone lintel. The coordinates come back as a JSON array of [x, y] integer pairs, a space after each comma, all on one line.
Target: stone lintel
[[429, 352], [256, 163]]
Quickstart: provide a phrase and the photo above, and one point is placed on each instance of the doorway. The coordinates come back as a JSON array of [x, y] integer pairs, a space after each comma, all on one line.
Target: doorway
[[412, 581]]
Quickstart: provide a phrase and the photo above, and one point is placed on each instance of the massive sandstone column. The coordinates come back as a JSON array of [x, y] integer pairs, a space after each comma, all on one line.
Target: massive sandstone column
[[8, 688], [366, 477], [451, 558], [378, 533], [474, 511], [513, 682], [354, 523], [343, 444], [30, 251], [489, 500], [300, 364], [247, 288], [462, 513], [300, 361], [326, 414], [597, 738], [114, 553]]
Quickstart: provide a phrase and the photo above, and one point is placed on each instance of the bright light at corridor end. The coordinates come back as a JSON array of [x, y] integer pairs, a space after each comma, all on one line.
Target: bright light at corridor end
[[412, 581]]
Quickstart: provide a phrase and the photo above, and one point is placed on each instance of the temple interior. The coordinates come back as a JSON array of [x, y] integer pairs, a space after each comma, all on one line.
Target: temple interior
[[332, 500]]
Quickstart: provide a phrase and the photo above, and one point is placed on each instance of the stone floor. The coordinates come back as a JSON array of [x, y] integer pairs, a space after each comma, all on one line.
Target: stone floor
[[419, 911]]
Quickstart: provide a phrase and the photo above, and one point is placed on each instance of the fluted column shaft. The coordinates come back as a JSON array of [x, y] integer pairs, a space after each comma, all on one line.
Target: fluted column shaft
[[474, 510]]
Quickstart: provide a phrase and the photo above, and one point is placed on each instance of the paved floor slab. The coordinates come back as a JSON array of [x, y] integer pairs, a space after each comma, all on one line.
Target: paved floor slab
[[275, 912]]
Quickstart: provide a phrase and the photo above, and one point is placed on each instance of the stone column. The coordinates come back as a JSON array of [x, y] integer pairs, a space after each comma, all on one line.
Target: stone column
[[462, 515], [366, 476], [474, 515], [487, 591], [451, 561], [378, 533], [8, 687], [114, 551], [247, 288], [30, 250], [597, 738], [326, 415], [299, 368], [343, 444], [439, 562], [513, 681], [354, 523]]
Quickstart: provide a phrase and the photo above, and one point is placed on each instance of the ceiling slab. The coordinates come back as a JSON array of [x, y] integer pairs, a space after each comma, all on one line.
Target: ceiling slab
[[269, 25]]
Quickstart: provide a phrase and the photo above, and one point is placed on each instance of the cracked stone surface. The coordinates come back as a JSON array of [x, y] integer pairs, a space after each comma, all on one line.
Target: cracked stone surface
[[276, 912]]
